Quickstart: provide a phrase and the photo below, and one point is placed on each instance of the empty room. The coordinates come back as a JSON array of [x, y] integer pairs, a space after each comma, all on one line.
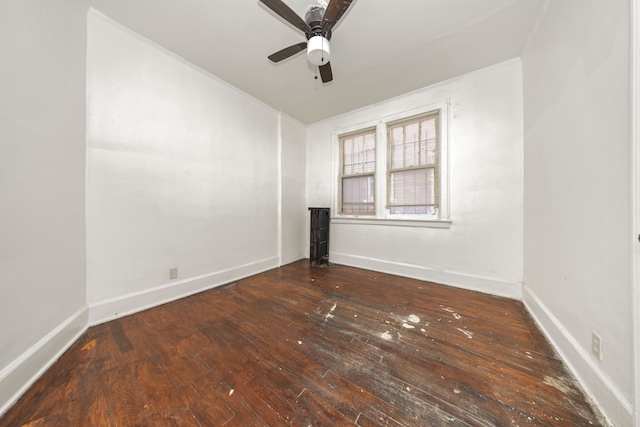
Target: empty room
[[319, 212]]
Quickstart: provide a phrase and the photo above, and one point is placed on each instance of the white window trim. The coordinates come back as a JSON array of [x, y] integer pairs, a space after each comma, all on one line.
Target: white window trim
[[424, 223], [382, 215]]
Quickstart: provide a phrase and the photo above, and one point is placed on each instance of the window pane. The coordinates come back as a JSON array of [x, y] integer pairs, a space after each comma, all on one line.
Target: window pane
[[411, 142], [428, 141], [358, 154], [347, 156], [369, 152], [357, 195], [397, 147]]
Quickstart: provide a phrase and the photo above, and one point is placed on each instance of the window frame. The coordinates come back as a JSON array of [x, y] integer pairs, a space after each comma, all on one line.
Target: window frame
[[342, 176], [435, 166], [382, 214]]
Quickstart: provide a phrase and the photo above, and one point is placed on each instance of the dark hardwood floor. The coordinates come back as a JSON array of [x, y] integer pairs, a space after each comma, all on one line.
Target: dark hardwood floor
[[309, 346]]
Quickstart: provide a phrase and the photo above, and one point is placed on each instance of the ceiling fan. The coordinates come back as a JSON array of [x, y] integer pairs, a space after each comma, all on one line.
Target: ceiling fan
[[316, 27]]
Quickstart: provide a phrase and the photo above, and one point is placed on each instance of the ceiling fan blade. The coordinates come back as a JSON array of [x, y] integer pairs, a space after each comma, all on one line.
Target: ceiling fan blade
[[287, 14], [325, 72], [335, 10], [287, 52]]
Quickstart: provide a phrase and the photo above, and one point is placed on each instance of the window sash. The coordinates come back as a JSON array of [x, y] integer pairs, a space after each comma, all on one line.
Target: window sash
[[358, 153], [358, 195], [413, 191]]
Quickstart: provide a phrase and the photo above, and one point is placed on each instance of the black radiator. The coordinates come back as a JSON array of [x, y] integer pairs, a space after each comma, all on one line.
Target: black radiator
[[319, 250]]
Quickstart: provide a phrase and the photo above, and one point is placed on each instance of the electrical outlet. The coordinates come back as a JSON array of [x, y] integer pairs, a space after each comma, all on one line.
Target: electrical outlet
[[173, 273], [596, 345]]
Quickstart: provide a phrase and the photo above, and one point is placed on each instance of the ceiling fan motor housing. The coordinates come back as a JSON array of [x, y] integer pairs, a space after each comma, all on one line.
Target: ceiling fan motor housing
[[314, 16]]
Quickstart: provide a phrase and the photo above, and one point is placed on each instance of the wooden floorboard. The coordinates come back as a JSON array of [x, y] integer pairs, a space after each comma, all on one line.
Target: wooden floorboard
[[313, 346]]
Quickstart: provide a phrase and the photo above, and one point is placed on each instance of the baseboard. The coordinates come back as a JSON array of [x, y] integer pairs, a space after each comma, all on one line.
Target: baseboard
[[139, 301], [16, 378], [487, 285], [617, 409]]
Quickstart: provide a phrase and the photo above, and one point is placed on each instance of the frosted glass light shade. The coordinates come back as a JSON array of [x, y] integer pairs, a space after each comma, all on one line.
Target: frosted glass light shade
[[318, 50]]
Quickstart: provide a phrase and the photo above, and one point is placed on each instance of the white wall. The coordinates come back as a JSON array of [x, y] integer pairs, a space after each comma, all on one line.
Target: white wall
[[483, 247], [42, 166], [293, 183], [182, 172], [577, 217]]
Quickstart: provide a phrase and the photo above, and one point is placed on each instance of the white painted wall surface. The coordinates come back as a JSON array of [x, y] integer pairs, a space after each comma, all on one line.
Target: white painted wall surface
[[483, 247], [635, 118], [294, 204], [42, 167], [182, 172], [577, 217]]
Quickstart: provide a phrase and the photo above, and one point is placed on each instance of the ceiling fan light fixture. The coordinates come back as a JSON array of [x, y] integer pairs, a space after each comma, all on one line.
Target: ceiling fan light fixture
[[318, 50]]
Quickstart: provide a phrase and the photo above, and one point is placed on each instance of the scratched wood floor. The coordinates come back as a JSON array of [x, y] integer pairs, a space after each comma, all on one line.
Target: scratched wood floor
[[309, 346]]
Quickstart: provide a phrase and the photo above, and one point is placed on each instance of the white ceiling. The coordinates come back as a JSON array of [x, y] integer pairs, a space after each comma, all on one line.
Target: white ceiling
[[379, 49]]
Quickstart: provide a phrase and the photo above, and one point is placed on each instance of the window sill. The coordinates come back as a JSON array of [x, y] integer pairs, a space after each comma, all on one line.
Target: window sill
[[424, 223]]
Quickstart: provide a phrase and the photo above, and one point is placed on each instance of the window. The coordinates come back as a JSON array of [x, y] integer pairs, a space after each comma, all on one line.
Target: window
[[393, 170], [412, 173], [358, 167]]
